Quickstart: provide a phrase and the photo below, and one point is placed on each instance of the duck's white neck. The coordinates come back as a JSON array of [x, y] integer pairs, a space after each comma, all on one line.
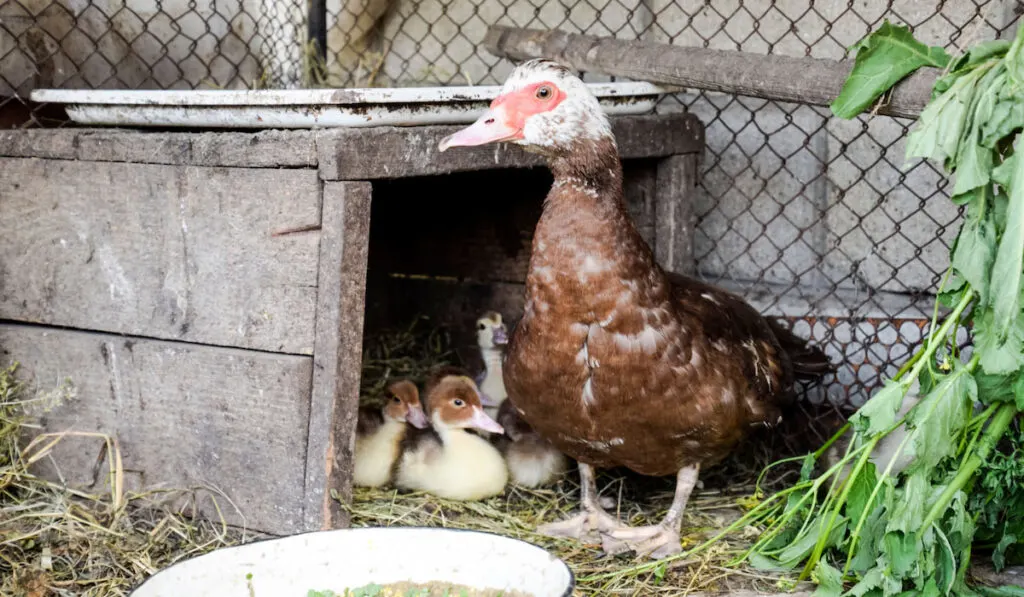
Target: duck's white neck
[[492, 360]]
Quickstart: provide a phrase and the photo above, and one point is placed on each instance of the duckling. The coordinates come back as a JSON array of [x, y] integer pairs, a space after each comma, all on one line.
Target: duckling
[[448, 461], [379, 434], [439, 373], [532, 460], [492, 337]]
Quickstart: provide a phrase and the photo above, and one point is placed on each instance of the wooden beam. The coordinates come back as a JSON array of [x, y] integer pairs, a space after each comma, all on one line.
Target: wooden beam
[[813, 81]]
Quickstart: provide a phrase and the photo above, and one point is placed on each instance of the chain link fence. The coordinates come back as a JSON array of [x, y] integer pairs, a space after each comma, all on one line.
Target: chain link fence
[[799, 212]]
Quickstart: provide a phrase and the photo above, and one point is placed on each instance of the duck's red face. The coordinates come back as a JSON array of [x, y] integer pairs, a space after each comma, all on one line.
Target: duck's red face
[[455, 403], [404, 404], [507, 117]]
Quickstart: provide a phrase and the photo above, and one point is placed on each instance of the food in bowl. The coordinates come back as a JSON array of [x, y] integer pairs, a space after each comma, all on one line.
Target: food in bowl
[[408, 589]]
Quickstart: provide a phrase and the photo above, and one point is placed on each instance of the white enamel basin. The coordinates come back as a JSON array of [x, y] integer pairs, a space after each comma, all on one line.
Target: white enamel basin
[[353, 558], [311, 108]]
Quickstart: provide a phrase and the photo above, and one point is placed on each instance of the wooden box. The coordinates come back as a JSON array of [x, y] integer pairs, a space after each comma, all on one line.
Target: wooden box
[[201, 296]]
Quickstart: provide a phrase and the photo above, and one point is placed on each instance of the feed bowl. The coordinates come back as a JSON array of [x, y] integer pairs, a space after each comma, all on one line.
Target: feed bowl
[[354, 558]]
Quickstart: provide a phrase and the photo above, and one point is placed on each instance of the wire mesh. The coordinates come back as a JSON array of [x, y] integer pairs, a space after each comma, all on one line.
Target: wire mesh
[[810, 218]]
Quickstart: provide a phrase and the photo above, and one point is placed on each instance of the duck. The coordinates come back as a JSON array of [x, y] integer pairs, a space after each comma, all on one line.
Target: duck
[[447, 460], [492, 336], [615, 361], [380, 431], [532, 460]]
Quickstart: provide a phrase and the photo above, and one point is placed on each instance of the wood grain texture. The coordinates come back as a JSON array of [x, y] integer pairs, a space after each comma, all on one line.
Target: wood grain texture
[[169, 252], [401, 152], [338, 353], [185, 415], [813, 81], [676, 220], [263, 149]]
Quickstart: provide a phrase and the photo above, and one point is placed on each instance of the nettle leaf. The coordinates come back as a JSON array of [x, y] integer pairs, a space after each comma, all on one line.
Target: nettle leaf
[[884, 57], [940, 417], [945, 563], [871, 536], [860, 490], [869, 582], [901, 550], [879, 413], [938, 130], [1003, 173], [979, 53], [974, 161], [829, 579], [975, 247], [998, 355], [911, 503], [1010, 256], [997, 388], [797, 552], [1007, 118]]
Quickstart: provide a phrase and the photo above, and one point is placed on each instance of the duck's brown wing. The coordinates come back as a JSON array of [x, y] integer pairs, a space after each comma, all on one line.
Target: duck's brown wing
[[776, 355], [369, 420]]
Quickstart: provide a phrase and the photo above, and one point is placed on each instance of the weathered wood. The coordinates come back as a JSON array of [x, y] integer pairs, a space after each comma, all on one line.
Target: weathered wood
[[399, 152], [170, 252], [337, 358], [676, 221], [813, 81], [264, 149], [184, 416]]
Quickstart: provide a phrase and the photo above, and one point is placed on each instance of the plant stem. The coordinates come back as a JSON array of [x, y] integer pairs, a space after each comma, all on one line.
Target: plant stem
[[998, 426]]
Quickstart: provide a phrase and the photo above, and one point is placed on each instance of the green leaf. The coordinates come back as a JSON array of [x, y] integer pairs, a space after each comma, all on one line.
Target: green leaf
[[884, 57], [998, 355], [996, 388], [1005, 591], [901, 549], [975, 247], [974, 161], [999, 555], [860, 490], [939, 417], [797, 552], [945, 564], [1010, 257], [871, 535], [980, 53], [879, 413], [870, 581], [939, 128], [829, 579], [1003, 173], [912, 501]]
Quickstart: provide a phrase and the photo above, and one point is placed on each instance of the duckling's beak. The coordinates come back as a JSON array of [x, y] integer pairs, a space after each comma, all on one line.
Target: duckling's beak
[[500, 337], [480, 420], [417, 418], [492, 127]]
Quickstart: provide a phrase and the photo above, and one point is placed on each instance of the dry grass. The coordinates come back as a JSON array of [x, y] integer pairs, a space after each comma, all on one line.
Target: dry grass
[[61, 542]]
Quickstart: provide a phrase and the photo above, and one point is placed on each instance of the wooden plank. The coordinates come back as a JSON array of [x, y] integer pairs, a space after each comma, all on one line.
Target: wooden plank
[[263, 149], [676, 221], [169, 252], [813, 81], [184, 416], [338, 355], [399, 152]]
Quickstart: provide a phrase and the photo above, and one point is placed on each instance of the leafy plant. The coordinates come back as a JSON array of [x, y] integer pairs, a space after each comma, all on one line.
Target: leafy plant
[[864, 531]]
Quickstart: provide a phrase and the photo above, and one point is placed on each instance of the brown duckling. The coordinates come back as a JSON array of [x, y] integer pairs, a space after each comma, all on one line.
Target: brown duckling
[[532, 460], [379, 433], [448, 461]]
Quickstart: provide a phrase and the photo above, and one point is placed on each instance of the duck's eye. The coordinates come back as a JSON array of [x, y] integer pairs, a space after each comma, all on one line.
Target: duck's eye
[[396, 399], [480, 326], [458, 402], [543, 92]]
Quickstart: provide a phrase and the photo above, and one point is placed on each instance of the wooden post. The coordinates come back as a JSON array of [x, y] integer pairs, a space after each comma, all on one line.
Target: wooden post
[[337, 355], [676, 219], [811, 81]]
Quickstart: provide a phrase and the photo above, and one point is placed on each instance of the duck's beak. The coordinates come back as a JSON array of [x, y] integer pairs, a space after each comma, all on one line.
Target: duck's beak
[[492, 127], [481, 421], [417, 418], [500, 337]]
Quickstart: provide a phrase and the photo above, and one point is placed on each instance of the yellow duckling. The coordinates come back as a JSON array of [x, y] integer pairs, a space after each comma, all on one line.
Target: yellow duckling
[[379, 434]]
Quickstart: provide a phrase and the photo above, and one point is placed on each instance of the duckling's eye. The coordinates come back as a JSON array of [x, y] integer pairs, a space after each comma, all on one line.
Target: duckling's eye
[[480, 326], [458, 402], [396, 399], [543, 92]]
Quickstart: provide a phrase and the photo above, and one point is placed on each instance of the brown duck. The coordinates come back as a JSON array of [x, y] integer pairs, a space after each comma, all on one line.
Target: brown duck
[[615, 361]]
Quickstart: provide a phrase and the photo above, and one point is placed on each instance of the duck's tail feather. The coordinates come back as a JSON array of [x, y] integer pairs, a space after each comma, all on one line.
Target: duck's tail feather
[[809, 362]]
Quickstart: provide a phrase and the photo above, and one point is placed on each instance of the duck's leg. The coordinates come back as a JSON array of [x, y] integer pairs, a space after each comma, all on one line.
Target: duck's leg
[[592, 519], [662, 539]]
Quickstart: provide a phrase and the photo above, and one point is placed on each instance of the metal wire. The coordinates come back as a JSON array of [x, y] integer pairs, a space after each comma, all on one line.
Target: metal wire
[[801, 213]]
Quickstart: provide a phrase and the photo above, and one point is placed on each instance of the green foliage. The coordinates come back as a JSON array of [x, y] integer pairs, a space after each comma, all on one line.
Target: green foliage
[[873, 531]]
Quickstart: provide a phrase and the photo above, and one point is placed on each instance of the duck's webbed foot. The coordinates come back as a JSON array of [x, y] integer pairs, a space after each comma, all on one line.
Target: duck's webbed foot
[[592, 522], [660, 540]]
